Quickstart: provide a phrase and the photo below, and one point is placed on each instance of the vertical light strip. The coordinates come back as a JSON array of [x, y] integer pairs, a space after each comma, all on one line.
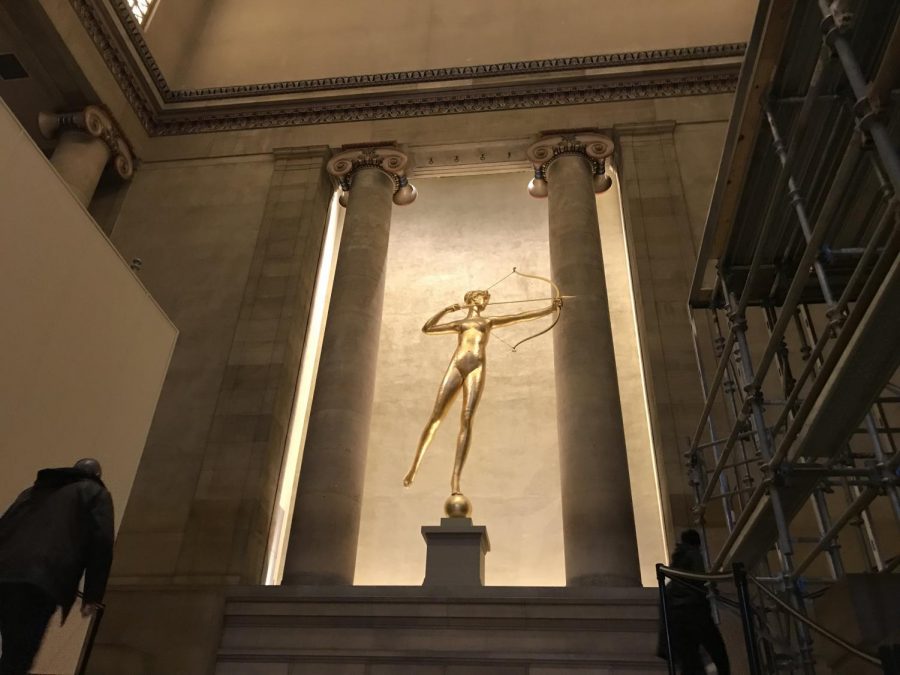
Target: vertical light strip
[[639, 441], [306, 384], [640, 355]]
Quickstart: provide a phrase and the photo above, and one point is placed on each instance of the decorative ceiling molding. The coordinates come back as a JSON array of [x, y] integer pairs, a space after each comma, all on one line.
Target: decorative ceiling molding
[[113, 56], [162, 110], [448, 102]]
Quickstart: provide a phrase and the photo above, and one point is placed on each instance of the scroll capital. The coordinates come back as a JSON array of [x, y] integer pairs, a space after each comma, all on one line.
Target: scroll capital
[[388, 159], [94, 121], [595, 147]]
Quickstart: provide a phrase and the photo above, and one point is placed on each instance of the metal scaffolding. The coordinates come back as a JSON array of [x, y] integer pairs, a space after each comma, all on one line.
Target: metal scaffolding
[[798, 289]]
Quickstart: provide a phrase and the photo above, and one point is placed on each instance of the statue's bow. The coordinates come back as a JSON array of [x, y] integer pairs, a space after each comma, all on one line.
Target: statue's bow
[[556, 295]]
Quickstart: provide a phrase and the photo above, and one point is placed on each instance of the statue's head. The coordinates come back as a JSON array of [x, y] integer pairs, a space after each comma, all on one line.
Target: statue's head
[[479, 299]]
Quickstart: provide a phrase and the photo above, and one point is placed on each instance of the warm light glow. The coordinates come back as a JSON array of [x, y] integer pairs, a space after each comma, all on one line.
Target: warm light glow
[[642, 467], [306, 383]]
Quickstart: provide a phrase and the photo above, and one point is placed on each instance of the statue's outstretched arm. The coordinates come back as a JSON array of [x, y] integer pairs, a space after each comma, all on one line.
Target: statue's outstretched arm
[[509, 319], [432, 327]]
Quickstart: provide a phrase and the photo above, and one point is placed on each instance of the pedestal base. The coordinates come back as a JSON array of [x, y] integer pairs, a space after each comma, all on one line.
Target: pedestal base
[[427, 630], [456, 551]]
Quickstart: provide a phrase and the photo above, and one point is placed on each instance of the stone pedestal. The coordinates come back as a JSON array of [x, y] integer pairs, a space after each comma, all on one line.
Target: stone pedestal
[[456, 550], [430, 630]]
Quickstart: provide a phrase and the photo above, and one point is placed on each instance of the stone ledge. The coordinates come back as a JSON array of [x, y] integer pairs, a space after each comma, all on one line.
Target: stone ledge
[[445, 658], [481, 595], [276, 630]]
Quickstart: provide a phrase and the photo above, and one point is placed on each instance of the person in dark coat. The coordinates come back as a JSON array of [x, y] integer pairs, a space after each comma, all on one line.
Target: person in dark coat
[[691, 625], [56, 530]]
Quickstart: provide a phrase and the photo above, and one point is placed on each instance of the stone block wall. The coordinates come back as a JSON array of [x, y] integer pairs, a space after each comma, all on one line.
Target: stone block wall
[[667, 178], [194, 225], [227, 532], [231, 249]]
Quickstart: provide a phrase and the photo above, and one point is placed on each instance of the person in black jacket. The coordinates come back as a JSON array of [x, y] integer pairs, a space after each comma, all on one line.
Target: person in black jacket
[[691, 625], [56, 530]]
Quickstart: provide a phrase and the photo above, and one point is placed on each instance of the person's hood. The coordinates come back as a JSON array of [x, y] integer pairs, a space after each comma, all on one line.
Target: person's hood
[[55, 478]]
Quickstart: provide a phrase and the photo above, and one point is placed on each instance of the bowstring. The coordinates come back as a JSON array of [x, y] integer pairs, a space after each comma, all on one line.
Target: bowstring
[[510, 302], [503, 279], [513, 349]]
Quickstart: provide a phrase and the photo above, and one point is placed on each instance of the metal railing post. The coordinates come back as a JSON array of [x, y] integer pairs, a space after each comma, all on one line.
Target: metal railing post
[[890, 659], [88, 645], [664, 610], [750, 640]]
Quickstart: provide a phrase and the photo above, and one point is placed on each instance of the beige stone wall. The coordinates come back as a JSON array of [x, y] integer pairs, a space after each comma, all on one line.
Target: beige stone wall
[[194, 225], [195, 214], [272, 40], [171, 33], [197, 223], [84, 346], [234, 252], [463, 233], [665, 181]]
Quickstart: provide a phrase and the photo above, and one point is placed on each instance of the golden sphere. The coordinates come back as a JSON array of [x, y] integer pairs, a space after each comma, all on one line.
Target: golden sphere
[[458, 506]]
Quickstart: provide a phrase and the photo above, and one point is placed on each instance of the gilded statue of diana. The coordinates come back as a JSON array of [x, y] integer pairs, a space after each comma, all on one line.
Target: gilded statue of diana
[[466, 371]]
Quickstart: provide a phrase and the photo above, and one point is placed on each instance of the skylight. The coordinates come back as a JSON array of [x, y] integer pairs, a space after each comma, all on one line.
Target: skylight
[[141, 9]]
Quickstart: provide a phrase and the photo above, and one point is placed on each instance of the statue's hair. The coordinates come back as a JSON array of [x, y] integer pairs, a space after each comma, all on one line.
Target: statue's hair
[[471, 295]]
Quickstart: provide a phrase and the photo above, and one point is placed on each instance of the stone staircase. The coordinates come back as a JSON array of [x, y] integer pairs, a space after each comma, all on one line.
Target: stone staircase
[[438, 631]]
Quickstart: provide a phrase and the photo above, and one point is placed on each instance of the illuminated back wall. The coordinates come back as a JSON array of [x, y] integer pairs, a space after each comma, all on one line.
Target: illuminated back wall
[[465, 233]]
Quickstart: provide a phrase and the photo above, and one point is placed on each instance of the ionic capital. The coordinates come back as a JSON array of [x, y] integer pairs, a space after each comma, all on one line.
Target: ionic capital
[[97, 122], [547, 149], [387, 159]]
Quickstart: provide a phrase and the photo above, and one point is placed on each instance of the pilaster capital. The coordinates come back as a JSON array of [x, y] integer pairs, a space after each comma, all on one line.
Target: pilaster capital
[[595, 147], [388, 159], [94, 121]]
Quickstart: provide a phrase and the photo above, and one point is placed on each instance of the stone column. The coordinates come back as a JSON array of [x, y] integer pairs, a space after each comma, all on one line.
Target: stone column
[[325, 527], [598, 519], [87, 141]]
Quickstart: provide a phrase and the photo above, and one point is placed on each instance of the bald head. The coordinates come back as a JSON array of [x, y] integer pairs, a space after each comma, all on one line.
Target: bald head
[[90, 466]]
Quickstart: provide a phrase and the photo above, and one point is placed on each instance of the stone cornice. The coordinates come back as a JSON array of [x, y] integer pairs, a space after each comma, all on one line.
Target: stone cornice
[[560, 81]]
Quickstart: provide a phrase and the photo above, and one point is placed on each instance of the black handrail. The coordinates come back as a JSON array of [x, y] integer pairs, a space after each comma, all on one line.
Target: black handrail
[[664, 608], [743, 591], [88, 645], [740, 578], [821, 630]]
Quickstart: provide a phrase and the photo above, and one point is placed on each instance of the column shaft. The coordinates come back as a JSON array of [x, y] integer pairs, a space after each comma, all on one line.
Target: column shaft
[[325, 528], [598, 519], [79, 158]]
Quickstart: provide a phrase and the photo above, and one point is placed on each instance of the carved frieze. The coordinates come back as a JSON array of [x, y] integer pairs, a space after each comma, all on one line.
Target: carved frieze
[[278, 104]]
